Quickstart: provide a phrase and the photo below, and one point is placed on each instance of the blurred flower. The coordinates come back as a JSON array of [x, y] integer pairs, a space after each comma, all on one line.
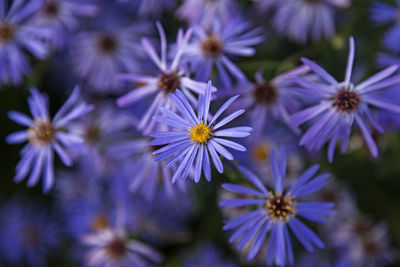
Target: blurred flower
[[172, 77], [304, 19], [145, 173], [61, 17], [207, 255], [267, 5], [215, 47], [114, 248], [204, 12], [98, 56], [155, 7], [387, 60], [45, 135], [382, 14], [197, 136], [277, 211], [28, 231], [342, 104], [274, 100], [18, 34]]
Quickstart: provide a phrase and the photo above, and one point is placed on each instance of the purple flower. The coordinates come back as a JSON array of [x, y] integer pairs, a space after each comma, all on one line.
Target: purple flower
[[207, 255], [114, 248], [100, 55], [304, 19], [214, 47], [17, 34], [155, 7], [272, 101], [28, 233], [276, 211], [197, 135], [343, 104], [204, 12], [382, 14], [45, 136], [61, 16], [170, 78]]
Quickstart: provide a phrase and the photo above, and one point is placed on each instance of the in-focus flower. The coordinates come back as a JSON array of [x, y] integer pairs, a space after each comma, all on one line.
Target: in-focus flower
[[61, 16], [383, 14], [197, 134], [171, 77], [114, 248], [343, 104], [271, 101], [276, 211], [18, 34], [45, 136], [301, 20], [98, 56], [204, 12], [215, 47], [207, 255], [29, 233], [146, 174]]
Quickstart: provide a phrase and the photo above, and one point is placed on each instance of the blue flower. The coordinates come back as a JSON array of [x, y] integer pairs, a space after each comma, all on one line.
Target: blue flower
[[304, 19], [276, 211], [45, 136], [272, 101], [196, 135], [28, 233], [207, 255], [98, 56], [213, 48], [203, 12], [342, 104], [18, 34], [61, 16], [171, 77], [114, 247], [149, 8], [382, 14]]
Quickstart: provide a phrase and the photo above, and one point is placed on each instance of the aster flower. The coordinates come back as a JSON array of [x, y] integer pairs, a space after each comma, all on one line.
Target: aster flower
[[343, 104], [207, 255], [61, 16], [18, 35], [98, 56], [304, 19], [197, 135], [171, 77], [214, 47], [203, 12], [276, 211], [28, 233], [271, 101], [45, 136], [114, 248], [383, 14], [148, 174]]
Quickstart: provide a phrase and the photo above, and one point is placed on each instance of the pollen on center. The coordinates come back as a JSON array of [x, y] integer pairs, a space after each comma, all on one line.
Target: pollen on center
[[200, 133]]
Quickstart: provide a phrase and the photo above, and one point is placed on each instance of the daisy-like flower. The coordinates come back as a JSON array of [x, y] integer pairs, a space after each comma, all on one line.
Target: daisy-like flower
[[204, 12], [45, 136], [274, 100], [213, 48], [304, 19], [100, 55], [341, 105], [276, 211], [114, 248], [197, 136], [383, 14], [18, 34], [171, 77], [61, 16]]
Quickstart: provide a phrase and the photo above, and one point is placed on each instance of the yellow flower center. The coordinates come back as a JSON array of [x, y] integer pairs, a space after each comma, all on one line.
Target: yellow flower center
[[200, 133], [280, 207], [261, 151], [100, 222], [43, 134]]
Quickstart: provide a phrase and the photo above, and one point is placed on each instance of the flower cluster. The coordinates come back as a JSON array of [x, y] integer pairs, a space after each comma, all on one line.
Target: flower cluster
[[212, 88]]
